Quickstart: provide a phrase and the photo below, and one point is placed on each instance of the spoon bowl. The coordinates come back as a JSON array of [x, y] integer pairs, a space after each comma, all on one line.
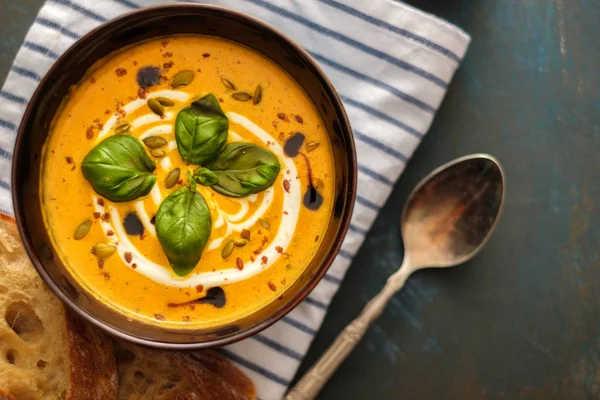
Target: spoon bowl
[[450, 215]]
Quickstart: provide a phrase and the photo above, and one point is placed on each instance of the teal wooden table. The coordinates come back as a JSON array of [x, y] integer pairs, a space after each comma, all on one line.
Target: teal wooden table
[[522, 320]]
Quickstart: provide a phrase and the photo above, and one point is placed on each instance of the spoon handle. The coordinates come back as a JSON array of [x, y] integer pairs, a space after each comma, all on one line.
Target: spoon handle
[[309, 386]]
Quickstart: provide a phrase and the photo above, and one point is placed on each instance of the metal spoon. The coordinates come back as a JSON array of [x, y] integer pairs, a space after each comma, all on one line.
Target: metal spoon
[[447, 219]]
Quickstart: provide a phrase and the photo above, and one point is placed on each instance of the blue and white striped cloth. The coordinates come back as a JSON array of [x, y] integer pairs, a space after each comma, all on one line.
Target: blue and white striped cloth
[[391, 65]]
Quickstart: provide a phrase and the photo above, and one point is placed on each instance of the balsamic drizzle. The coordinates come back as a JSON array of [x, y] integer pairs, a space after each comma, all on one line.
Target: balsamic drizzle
[[292, 145], [214, 296], [133, 225], [312, 198], [148, 76]]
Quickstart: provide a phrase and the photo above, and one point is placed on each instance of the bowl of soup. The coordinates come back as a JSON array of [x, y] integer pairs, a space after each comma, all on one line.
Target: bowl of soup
[[184, 176]]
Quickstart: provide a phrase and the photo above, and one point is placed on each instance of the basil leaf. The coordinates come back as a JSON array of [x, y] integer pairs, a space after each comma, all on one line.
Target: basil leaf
[[119, 169], [244, 169], [183, 226], [205, 177], [201, 130]]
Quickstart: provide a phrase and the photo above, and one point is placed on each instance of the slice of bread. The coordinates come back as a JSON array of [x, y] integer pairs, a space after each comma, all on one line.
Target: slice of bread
[[47, 353], [44, 352], [163, 375]]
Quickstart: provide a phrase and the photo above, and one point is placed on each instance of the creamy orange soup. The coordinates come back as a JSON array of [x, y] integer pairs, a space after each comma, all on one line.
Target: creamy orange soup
[[275, 232]]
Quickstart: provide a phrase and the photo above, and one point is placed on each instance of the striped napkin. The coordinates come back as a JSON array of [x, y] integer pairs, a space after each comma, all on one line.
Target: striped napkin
[[391, 65]]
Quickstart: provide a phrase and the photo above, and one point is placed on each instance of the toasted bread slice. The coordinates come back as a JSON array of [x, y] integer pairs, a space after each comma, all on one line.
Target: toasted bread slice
[[44, 352], [164, 375], [47, 353]]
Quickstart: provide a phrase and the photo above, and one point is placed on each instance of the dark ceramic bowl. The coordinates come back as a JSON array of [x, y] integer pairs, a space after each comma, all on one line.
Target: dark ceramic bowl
[[70, 69]]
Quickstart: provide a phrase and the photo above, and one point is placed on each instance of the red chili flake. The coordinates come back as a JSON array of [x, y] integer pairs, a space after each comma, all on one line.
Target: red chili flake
[[168, 65], [142, 92], [159, 317], [69, 160], [199, 70], [274, 123], [135, 63], [120, 71], [162, 79], [258, 251], [282, 117], [316, 238], [199, 288], [100, 263], [272, 286], [109, 233], [128, 256], [100, 202], [245, 234], [121, 113], [105, 217], [283, 281], [264, 259], [286, 185], [206, 55], [168, 54], [186, 318], [134, 265], [279, 249], [239, 264], [106, 275], [96, 215], [252, 258], [73, 167], [221, 100], [92, 80], [281, 136], [285, 212], [107, 112], [89, 134], [299, 119], [165, 43], [265, 240]]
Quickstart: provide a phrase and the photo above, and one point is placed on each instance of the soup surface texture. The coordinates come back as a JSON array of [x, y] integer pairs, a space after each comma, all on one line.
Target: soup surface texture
[[188, 102]]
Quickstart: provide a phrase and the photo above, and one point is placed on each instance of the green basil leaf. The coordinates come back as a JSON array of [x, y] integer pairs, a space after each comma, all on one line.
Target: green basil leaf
[[119, 169], [183, 226], [201, 130], [244, 169], [205, 177]]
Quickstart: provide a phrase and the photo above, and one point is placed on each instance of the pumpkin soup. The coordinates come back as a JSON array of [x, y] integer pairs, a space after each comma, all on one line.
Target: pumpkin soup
[[187, 181]]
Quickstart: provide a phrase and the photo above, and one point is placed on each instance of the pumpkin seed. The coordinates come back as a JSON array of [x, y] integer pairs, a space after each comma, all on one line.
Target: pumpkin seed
[[241, 243], [103, 250], [158, 152], [310, 146], [123, 127], [182, 78], [82, 229], [264, 223], [156, 107], [154, 142], [227, 249], [242, 96], [172, 178], [257, 95], [164, 101], [228, 84]]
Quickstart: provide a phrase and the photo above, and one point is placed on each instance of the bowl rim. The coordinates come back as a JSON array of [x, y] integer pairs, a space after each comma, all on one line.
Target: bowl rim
[[294, 301]]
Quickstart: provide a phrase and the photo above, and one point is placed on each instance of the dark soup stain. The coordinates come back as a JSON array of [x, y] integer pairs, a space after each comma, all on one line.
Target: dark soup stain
[[148, 76], [133, 225], [312, 198], [214, 296], [292, 146]]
